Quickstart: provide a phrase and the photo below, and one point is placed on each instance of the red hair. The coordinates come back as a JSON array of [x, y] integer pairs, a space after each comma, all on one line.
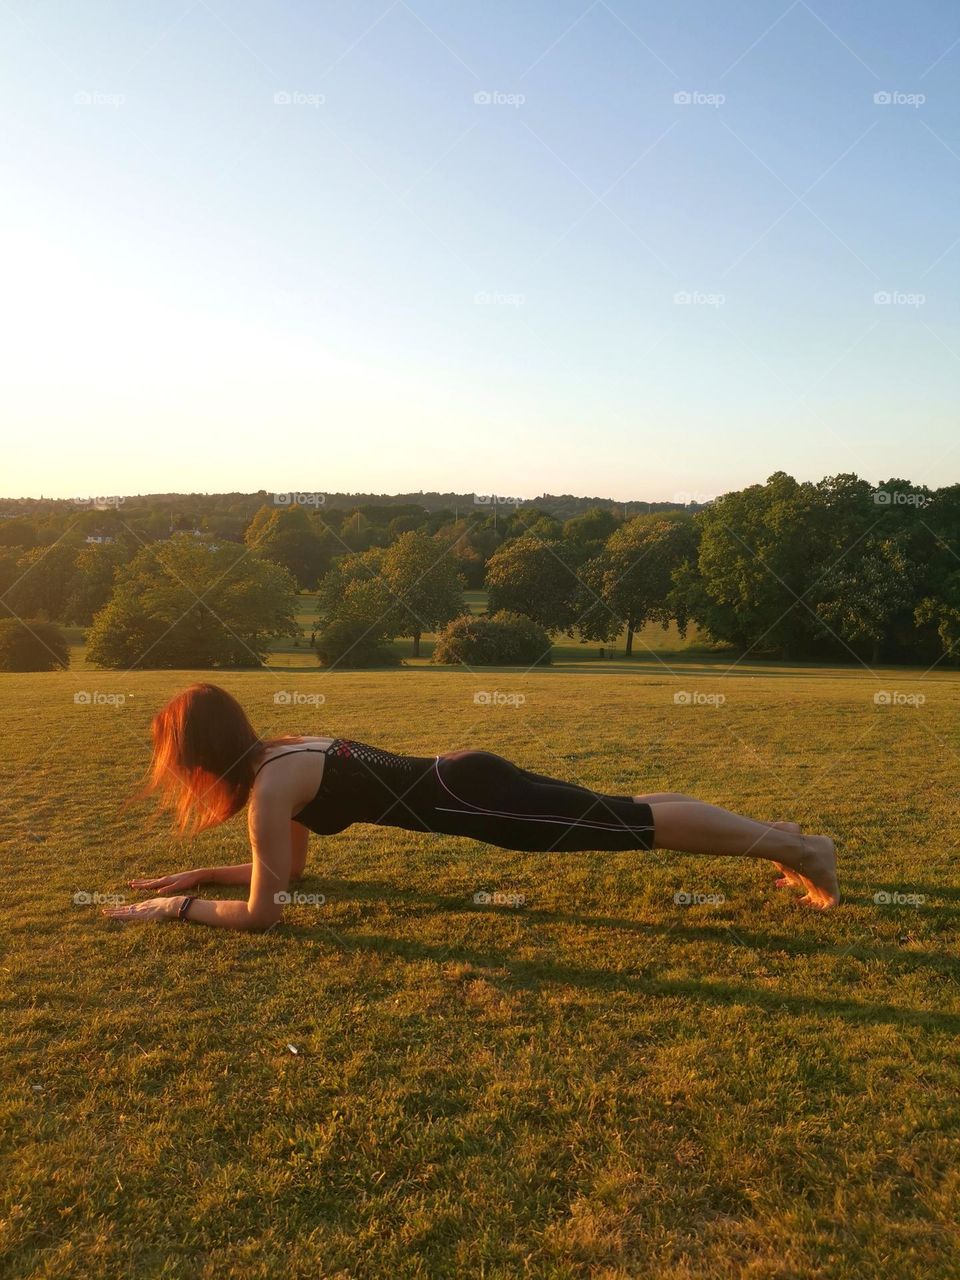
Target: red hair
[[205, 751]]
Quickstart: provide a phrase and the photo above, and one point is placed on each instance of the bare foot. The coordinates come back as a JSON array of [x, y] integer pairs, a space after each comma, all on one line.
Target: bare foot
[[788, 879], [816, 872]]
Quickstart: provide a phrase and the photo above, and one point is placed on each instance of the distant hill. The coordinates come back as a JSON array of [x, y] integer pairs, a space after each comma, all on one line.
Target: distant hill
[[563, 506]]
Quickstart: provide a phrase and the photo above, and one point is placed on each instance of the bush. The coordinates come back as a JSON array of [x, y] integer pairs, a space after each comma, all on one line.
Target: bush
[[32, 646], [503, 640], [350, 642]]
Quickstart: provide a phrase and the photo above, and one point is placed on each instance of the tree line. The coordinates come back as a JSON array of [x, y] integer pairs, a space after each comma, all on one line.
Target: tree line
[[836, 569]]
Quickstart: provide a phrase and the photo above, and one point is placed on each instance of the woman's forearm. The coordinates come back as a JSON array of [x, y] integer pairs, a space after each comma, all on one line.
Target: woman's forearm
[[239, 874], [225, 913]]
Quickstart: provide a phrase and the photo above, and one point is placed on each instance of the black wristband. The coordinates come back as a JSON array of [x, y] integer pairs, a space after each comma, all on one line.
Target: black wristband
[[184, 908]]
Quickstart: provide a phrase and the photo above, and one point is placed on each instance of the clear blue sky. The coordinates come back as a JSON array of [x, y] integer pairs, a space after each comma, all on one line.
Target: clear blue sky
[[384, 284]]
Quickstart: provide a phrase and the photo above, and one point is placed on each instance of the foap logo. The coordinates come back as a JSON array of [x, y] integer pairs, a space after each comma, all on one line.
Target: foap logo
[[294, 698], [93, 98], [296, 98], [894, 698], [497, 98], [84, 899], [899, 498], [496, 500], [88, 698], [101, 503], [684, 298], [494, 698], [694, 499], [695, 98], [693, 898], [894, 98], [694, 698], [894, 898], [294, 898], [498, 898], [897, 298], [483, 298], [299, 499]]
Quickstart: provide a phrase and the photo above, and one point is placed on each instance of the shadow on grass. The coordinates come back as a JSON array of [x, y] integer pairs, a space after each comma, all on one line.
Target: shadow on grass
[[534, 972]]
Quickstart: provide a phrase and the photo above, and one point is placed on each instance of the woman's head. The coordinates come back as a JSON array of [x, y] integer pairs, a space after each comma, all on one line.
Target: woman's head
[[204, 754]]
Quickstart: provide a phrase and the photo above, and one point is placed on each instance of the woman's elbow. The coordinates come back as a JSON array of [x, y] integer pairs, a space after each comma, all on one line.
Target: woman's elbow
[[264, 915]]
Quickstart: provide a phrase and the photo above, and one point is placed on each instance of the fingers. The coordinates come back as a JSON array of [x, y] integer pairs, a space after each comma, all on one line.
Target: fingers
[[136, 912], [121, 913], [156, 883]]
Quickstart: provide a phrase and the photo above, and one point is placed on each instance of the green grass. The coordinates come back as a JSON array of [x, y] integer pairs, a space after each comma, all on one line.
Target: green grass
[[600, 1083]]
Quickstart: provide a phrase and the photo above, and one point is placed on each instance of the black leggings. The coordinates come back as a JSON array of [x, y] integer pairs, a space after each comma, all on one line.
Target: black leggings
[[482, 795]]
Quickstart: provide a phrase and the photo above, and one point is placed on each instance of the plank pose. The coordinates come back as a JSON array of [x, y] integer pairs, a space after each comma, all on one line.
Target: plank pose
[[209, 762]]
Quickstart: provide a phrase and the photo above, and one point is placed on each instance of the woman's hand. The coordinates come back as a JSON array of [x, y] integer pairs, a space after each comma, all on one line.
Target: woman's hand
[[179, 882], [140, 912]]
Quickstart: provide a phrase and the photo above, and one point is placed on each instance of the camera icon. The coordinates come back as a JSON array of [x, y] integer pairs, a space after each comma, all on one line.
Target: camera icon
[[882, 698], [483, 98], [282, 899], [882, 298], [682, 699], [882, 898], [282, 499], [883, 497], [482, 897], [883, 98], [683, 898], [82, 899], [282, 98], [683, 98], [83, 698], [282, 698]]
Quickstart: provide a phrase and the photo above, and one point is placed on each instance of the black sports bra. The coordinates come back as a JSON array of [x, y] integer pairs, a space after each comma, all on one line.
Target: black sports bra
[[361, 783]]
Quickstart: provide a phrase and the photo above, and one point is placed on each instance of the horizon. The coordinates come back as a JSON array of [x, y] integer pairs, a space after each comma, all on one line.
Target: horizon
[[318, 498]]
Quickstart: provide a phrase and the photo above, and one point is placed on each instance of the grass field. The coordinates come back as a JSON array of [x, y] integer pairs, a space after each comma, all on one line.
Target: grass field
[[597, 1083]]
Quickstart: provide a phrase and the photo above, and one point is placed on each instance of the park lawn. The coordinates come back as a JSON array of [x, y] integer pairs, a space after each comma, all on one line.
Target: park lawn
[[597, 1083]]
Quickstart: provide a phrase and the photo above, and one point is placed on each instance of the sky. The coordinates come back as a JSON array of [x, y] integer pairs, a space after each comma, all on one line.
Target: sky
[[615, 249]]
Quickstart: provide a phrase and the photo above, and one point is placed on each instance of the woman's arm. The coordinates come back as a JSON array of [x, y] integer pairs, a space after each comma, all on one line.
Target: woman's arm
[[234, 873], [181, 880], [299, 839], [272, 840]]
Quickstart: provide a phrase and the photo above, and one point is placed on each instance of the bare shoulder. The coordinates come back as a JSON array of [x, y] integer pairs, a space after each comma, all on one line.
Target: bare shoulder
[[290, 775]]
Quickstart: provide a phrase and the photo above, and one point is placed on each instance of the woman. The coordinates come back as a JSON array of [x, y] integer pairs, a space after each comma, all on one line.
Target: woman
[[208, 763]]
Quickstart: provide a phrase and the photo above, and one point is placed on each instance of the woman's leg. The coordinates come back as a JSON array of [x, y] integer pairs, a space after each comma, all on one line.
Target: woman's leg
[[694, 827], [787, 879]]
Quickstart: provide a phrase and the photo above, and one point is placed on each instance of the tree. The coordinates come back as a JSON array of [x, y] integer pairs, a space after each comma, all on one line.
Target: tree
[[761, 550], [44, 581], [590, 531], [426, 588], [635, 573], [861, 595], [349, 642], [353, 589], [18, 532], [504, 640], [92, 581], [184, 603], [32, 646], [287, 536], [943, 613], [537, 577]]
